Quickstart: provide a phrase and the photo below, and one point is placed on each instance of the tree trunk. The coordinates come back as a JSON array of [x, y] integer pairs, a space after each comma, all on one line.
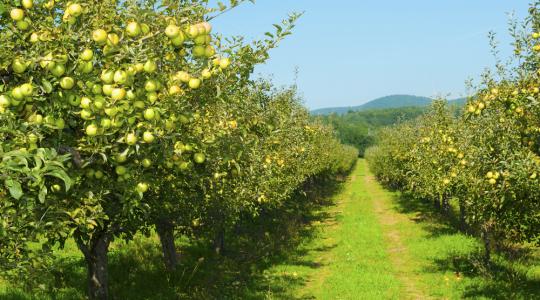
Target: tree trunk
[[95, 255], [437, 203], [487, 244], [219, 241], [462, 215], [445, 205], [165, 231]]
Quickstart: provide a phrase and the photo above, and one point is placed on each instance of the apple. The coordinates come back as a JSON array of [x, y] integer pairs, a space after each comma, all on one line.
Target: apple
[[120, 76], [142, 187], [192, 31], [120, 170], [207, 27], [179, 40], [206, 74], [199, 158], [175, 90], [107, 76], [17, 94], [17, 14], [67, 83], [139, 104], [183, 76], [4, 101], [209, 51], [121, 158], [28, 4], [194, 83], [106, 123], [200, 40], [113, 39], [27, 89], [99, 36], [107, 89], [111, 111], [23, 25], [18, 66], [75, 9], [148, 137], [86, 114], [58, 70], [131, 139], [99, 174], [86, 67], [146, 163], [91, 130], [34, 38], [118, 94], [87, 54], [60, 123], [149, 114], [224, 63], [150, 66], [150, 86], [133, 29], [199, 51], [152, 97], [86, 103], [99, 102], [172, 31]]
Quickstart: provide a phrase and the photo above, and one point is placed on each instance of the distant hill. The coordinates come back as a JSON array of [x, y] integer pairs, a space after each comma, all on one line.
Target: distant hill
[[394, 101]]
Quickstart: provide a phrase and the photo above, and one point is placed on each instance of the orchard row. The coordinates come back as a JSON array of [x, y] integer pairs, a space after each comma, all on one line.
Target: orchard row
[[119, 117], [485, 161]]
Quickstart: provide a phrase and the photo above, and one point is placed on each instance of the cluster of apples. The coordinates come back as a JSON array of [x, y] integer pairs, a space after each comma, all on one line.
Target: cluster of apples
[[19, 15]]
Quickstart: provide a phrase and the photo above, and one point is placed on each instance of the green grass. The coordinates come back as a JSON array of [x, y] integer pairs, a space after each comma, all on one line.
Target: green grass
[[361, 243]]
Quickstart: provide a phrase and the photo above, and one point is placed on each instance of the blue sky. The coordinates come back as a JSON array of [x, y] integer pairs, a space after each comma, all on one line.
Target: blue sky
[[349, 52]]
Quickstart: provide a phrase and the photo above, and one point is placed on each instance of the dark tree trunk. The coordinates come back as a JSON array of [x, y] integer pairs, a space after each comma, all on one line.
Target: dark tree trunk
[[462, 215], [219, 241], [445, 205], [95, 255], [437, 203], [487, 244], [165, 231]]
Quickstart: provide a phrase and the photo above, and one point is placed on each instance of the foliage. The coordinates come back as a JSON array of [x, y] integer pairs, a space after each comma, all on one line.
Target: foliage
[[487, 159], [157, 121]]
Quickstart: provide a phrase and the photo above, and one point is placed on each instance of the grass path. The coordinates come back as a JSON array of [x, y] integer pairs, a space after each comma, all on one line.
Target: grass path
[[377, 244]]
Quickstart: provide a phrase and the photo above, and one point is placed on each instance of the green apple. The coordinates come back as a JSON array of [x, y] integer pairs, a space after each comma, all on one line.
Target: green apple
[[99, 36], [199, 158], [75, 9], [87, 54], [67, 83], [131, 139], [148, 137], [91, 130], [16, 14], [133, 29], [172, 31], [194, 83]]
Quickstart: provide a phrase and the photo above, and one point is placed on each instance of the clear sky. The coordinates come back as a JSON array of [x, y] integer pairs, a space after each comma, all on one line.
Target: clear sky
[[351, 51]]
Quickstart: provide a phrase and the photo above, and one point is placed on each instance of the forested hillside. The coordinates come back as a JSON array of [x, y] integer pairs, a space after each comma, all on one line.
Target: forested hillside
[[358, 128]]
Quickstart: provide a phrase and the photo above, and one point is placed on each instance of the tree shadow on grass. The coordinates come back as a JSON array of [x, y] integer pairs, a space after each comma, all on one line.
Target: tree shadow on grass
[[276, 238], [507, 276]]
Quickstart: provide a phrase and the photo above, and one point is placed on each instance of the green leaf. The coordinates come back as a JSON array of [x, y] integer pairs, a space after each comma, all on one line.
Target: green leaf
[[14, 188], [63, 176]]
